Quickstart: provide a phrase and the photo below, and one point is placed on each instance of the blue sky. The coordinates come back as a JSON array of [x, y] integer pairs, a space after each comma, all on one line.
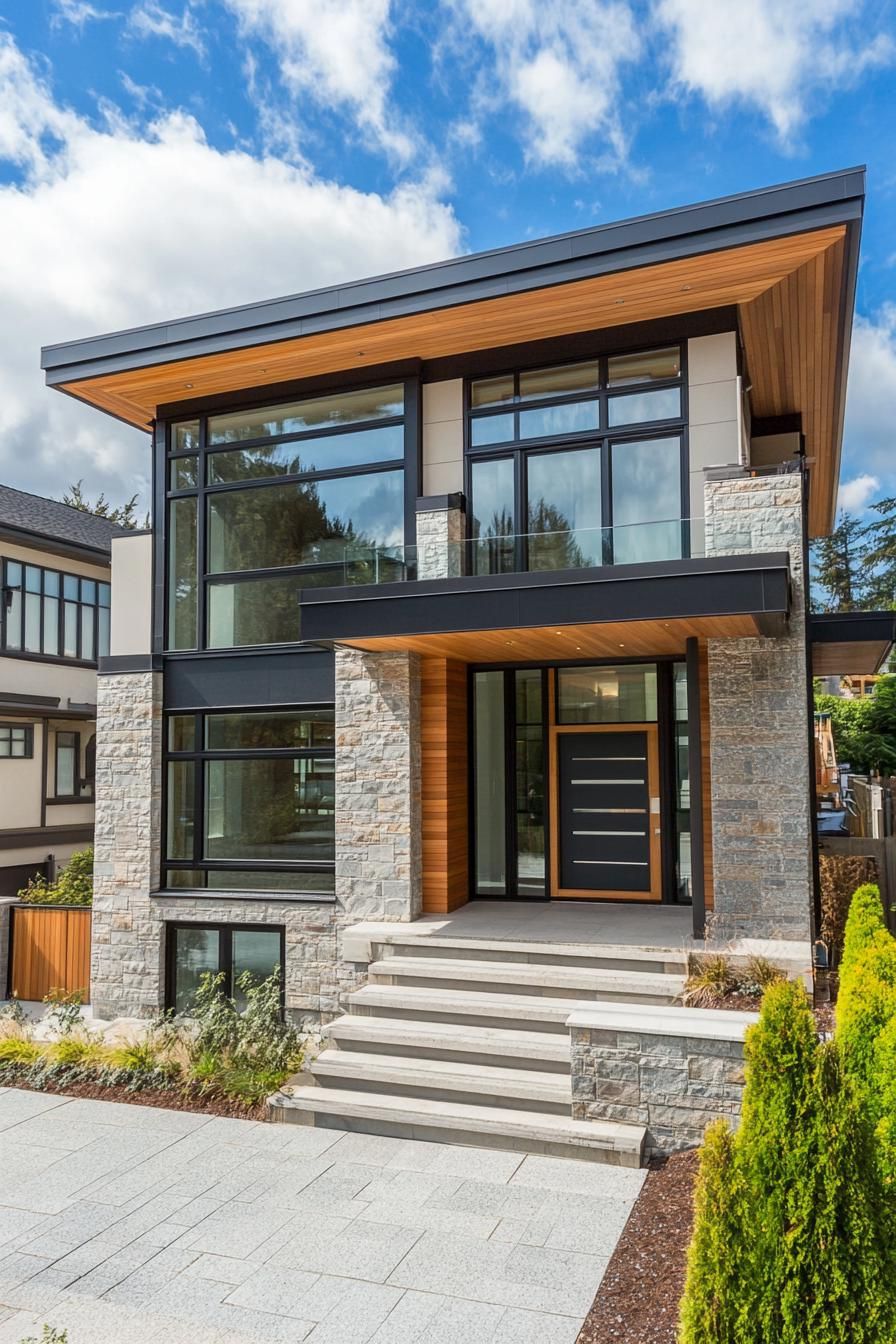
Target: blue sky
[[159, 157]]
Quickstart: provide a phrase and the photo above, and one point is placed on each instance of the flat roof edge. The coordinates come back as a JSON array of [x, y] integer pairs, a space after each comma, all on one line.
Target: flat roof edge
[[648, 239]]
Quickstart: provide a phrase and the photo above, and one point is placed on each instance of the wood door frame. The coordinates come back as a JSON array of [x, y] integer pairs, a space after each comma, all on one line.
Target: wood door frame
[[654, 818]]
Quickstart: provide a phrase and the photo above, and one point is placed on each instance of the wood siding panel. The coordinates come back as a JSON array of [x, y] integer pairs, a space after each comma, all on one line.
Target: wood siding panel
[[50, 952], [706, 767], [445, 815]]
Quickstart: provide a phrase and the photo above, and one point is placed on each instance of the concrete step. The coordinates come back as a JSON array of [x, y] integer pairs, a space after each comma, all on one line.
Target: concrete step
[[573, 982], [520, 1011], [456, 1122], [472, 1084], [596, 956], [445, 1040]]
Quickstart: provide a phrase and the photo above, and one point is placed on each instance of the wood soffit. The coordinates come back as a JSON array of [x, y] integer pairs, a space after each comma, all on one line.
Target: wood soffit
[[789, 292]]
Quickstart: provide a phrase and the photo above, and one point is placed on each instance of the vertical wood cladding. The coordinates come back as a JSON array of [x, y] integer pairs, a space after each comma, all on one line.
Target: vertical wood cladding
[[444, 769]]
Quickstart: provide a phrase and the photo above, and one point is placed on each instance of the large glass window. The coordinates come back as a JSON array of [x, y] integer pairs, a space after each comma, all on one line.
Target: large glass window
[[489, 781], [230, 950], [251, 800], [538, 502], [54, 615], [314, 489]]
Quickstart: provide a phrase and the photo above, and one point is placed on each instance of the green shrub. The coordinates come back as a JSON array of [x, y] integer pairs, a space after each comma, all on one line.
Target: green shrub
[[63, 1012], [885, 1075], [245, 1055], [17, 1052], [73, 886], [864, 923], [711, 1303], [865, 1005], [710, 977]]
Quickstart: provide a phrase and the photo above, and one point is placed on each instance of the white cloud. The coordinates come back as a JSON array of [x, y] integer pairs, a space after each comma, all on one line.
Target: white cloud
[[857, 494], [558, 63], [78, 13], [119, 225], [776, 56], [870, 438], [336, 52], [152, 20]]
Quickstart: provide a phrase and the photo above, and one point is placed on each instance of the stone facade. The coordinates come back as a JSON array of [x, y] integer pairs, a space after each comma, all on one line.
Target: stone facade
[[378, 872], [440, 536], [378, 832], [759, 730], [672, 1085]]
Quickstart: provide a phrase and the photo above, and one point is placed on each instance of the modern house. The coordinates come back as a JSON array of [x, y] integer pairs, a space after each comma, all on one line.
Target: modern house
[[54, 626], [471, 586]]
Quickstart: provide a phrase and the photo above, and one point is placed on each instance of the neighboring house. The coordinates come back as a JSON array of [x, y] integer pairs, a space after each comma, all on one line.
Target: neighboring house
[[480, 580], [54, 625]]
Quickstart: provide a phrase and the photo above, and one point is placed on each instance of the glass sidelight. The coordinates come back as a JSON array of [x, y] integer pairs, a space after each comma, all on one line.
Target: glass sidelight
[[509, 784]]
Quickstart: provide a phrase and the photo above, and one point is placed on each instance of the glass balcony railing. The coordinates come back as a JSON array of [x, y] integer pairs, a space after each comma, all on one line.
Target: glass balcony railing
[[519, 553]]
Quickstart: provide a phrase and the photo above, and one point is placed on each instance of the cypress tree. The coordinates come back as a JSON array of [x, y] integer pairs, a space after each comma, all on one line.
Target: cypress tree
[[711, 1304], [863, 923], [866, 1003]]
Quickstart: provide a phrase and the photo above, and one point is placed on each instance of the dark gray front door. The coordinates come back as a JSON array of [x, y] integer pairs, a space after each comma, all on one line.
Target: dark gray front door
[[604, 829]]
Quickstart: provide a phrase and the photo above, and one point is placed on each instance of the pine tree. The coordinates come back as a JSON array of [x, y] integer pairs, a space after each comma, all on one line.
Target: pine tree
[[123, 514], [880, 555], [839, 565]]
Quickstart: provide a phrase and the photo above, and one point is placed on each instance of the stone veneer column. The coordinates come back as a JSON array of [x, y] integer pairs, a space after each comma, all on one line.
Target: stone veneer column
[[126, 973], [759, 730], [378, 803], [440, 535]]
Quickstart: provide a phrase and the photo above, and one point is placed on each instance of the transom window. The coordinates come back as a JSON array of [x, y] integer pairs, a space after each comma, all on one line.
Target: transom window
[[250, 800], [16, 741], [54, 614], [267, 501], [578, 465]]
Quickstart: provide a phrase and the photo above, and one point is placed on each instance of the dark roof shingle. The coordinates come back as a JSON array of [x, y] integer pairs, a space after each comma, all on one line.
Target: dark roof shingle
[[57, 522]]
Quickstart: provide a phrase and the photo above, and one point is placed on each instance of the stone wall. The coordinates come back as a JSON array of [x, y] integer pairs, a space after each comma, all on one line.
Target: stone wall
[[440, 535], [378, 835], [637, 1072], [759, 730]]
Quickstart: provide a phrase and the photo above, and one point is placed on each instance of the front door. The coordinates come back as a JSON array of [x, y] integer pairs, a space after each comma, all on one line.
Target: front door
[[607, 832]]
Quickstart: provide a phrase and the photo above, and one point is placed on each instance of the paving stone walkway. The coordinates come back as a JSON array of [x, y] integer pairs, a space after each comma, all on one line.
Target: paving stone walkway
[[127, 1223]]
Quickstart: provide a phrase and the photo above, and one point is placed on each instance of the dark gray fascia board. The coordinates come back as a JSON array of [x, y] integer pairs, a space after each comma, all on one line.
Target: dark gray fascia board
[[793, 207], [755, 585], [440, 503], [68, 550], [852, 627]]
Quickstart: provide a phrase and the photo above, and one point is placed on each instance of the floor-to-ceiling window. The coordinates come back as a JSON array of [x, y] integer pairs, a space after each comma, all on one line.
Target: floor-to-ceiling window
[[267, 501], [578, 465]]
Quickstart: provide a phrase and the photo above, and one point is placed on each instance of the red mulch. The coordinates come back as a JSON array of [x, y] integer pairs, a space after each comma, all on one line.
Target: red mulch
[[637, 1302], [169, 1098]]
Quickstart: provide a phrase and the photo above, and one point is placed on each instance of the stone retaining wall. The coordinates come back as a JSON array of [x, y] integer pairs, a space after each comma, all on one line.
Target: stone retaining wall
[[640, 1074]]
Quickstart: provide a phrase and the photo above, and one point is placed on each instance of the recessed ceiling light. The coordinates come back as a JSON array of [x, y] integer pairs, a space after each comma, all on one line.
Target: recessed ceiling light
[[685, 288], [618, 301], [188, 384]]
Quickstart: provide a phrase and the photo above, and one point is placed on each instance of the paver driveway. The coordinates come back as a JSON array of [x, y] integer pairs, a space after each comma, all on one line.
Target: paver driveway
[[123, 1223]]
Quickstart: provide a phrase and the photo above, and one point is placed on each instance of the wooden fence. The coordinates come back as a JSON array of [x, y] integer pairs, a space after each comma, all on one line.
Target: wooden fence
[[49, 951], [872, 806]]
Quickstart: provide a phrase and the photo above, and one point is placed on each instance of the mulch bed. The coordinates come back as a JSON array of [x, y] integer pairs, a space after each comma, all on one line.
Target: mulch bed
[[169, 1099], [637, 1302], [824, 1012]]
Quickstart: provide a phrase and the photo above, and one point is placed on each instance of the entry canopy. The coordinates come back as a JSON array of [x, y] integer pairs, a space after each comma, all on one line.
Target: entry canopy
[[851, 643]]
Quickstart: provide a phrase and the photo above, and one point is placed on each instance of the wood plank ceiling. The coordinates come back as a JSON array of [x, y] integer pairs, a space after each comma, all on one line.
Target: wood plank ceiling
[[788, 290], [615, 639]]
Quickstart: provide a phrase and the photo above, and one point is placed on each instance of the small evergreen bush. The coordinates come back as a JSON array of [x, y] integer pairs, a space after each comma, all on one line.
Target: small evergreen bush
[[864, 923], [711, 1303], [865, 1005]]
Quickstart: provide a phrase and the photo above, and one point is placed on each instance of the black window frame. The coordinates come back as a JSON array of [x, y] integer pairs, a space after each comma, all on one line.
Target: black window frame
[[28, 730], [604, 439], [75, 797], [40, 655], [166, 453], [225, 958], [199, 755]]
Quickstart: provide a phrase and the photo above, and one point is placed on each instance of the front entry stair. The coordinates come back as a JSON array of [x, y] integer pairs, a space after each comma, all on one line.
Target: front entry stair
[[466, 1042]]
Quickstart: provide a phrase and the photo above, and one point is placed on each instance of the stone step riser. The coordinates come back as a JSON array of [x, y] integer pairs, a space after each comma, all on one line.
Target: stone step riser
[[450, 1054], [457, 1017], [620, 963], [472, 1097], [547, 991]]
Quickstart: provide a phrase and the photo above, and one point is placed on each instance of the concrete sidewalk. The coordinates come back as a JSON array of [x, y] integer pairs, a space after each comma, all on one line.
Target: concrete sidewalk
[[128, 1223]]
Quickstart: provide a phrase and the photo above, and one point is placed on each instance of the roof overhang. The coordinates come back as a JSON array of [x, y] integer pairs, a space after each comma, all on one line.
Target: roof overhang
[[851, 643], [625, 611], [785, 257]]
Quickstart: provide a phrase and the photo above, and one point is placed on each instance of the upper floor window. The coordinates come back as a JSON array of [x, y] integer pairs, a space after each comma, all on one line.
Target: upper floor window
[[578, 465], [55, 615], [267, 501], [16, 741]]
